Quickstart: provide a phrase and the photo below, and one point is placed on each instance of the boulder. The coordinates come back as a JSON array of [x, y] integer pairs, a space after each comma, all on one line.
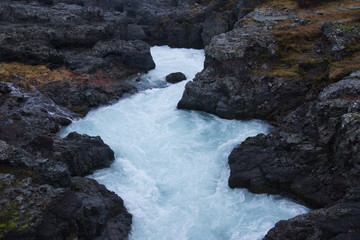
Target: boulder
[[87, 210], [175, 77]]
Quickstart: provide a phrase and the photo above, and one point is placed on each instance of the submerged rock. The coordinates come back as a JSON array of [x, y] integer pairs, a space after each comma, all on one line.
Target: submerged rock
[[175, 77]]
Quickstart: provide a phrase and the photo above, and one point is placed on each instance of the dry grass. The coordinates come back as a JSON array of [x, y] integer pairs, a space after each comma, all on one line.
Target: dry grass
[[31, 76], [296, 44]]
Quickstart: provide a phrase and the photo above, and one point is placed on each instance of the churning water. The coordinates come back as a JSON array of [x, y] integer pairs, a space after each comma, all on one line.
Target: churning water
[[171, 165]]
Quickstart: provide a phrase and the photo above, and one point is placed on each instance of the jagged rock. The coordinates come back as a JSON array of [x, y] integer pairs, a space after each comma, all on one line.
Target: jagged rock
[[227, 87], [26, 115], [175, 77], [314, 155], [81, 97], [338, 221], [337, 36], [82, 38], [83, 154], [88, 210]]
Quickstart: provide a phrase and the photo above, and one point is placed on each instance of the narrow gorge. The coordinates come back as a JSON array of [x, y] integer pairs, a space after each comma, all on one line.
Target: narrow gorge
[[180, 119]]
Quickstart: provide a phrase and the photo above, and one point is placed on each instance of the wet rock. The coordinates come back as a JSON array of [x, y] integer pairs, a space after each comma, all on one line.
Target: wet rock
[[83, 154], [86, 209], [339, 221], [39, 199], [175, 77], [76, 154]]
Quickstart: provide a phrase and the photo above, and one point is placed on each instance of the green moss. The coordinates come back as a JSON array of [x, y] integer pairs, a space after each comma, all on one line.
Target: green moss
[[286, 72], [11, 219], [346, 28]]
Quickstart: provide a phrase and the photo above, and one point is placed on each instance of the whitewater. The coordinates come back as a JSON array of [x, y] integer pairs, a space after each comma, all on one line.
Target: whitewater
[[171, 165]]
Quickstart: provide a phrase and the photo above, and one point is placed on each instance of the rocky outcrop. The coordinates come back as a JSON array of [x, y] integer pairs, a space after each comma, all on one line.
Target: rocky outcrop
[[163, 22], [247, 75], [228, 87], [81, 38], [81, 97], [175, 77], [41, 197], [313, 157], [185, 23], [85, 210], [28, 114], [335, 222]]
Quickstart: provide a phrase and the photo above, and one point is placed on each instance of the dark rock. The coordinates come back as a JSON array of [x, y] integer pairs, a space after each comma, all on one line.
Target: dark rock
[[88, 211], [39, 199], [81, 97], [227, 87], [175, 77], [81, 38], [337, 36], [26, 115], [314, 155], [83, 154], [339, 221], [76, 154]]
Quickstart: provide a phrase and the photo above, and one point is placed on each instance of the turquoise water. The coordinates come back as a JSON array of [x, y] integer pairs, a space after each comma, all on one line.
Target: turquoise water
[[171, 165]]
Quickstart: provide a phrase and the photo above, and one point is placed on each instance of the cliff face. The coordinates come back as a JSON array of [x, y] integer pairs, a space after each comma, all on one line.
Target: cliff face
[[299, 70]]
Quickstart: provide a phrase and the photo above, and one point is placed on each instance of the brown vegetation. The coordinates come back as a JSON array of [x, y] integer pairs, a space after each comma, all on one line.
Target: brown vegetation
[[31, 76]]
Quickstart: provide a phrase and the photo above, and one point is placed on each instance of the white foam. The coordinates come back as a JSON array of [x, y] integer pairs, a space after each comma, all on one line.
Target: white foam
[[171, 165]]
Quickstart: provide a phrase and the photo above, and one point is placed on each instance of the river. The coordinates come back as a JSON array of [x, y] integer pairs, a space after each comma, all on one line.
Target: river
[[171, 165]]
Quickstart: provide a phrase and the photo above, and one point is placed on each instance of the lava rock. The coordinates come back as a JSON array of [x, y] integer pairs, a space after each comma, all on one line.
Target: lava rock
[[313, 157], [83, 154], [338, 221], [175, 77], [88, 210], [26, 115], [85, 39], [226, 87], [82, 97]]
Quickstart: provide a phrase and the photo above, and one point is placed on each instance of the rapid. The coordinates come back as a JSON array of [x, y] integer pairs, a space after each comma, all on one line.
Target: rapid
[[171, 165]]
